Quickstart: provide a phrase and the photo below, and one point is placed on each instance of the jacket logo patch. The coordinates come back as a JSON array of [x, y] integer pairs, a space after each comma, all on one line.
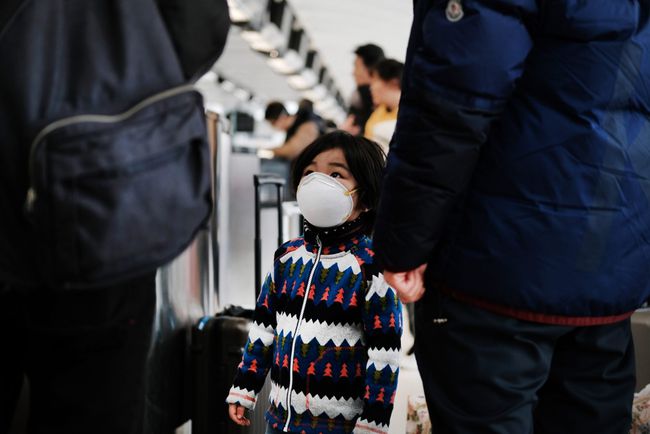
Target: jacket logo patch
[[454, 10]]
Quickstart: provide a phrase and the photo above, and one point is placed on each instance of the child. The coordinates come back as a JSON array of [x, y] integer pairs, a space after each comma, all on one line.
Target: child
[[339, 374]]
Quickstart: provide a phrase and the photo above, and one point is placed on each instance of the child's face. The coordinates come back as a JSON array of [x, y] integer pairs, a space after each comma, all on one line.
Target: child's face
[[332, 163]]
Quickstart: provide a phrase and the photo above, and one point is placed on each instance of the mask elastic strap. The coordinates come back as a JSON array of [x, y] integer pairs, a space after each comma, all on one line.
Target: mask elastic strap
[[351, 192]]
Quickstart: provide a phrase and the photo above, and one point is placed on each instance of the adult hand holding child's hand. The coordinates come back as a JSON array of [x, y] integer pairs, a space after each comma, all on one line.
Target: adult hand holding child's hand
[[409, 285]]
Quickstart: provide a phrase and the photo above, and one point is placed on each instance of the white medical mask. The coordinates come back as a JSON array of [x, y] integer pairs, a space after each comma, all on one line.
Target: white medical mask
[[324, 201]]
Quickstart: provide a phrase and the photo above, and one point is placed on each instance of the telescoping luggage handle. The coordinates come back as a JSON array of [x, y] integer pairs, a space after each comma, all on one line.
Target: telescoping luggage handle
[[261, 180]]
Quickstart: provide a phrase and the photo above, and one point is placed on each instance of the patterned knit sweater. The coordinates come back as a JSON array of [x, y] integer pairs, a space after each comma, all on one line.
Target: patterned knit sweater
[[328, 328]]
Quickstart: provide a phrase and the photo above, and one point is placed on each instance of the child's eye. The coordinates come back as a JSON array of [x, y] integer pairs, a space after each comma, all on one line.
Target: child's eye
[[335, 175]]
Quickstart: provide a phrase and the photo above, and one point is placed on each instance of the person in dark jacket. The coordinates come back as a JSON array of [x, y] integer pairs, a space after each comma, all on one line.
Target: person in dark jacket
[[516, 210], [361, 104], [83, 350], [302, 128]]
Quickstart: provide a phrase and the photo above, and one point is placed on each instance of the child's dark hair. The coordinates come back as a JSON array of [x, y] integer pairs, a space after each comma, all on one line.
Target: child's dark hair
[[365, 159]]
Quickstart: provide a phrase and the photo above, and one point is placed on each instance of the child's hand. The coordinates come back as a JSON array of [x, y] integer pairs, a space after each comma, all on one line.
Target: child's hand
[[236, 413]]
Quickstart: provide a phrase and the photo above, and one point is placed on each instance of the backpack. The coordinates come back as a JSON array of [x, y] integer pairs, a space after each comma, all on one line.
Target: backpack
[[106, 139]]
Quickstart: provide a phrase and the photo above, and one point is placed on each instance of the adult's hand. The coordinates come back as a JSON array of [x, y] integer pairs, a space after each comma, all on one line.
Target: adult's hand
[[236, 413], [408, 284]]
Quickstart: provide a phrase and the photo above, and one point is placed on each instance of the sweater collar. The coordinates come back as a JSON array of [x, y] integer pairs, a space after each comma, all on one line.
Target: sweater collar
[[337, 238]]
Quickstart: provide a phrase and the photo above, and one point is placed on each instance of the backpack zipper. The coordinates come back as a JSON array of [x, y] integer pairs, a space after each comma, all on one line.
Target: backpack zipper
[[32, 194], [295, 333]]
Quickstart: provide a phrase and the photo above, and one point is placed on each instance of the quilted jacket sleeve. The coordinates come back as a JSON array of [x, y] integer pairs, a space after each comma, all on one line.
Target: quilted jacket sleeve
[[457, 79]]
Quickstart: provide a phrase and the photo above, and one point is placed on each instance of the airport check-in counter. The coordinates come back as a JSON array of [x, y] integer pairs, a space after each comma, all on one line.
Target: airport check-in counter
[[238, 259]]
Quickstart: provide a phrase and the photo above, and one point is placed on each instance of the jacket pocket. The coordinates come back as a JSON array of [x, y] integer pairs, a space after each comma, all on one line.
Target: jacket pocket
[[114, 196]]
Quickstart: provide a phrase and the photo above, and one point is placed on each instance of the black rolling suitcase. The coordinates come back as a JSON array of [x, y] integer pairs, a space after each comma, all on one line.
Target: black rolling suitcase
[[218, 344]]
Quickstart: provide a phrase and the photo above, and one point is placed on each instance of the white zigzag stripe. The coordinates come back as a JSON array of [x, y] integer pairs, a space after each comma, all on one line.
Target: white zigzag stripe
[[364, 426], [246, 398], [276, 396], [285, 323], [344, 260], [382, 358], [264, 334], [378, 286], [348, 408], [300, 252], [321, 331]]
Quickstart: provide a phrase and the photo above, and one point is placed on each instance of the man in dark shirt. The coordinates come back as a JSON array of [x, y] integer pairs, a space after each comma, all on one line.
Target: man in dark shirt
[[361, 105]]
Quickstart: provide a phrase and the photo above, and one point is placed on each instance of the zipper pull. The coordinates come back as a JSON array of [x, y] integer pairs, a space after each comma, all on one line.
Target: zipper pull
[[30, 199]]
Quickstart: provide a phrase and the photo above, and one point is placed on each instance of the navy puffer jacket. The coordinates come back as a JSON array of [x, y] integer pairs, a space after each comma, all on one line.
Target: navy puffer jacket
[[520, 166]]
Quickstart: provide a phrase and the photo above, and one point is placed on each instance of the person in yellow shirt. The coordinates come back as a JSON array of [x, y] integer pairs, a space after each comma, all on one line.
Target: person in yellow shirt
[[386, 89]]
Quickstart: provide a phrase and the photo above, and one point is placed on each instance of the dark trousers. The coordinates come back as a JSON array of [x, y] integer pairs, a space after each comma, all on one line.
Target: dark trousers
[[84, 353], [487, 373]]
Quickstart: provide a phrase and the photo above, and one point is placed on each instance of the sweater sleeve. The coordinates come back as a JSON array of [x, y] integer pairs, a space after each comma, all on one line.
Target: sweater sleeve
[[258, 351], [382, 322]]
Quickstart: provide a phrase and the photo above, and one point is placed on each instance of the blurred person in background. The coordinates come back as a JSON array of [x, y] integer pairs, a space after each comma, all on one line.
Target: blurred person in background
[[301, 128], [361, 105], [386, 89]]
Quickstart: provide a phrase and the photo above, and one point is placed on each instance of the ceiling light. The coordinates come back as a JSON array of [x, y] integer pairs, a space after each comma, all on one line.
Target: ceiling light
[[337, 114], [289, 63], [266, 40], [326, 104], [209, 77], [239, 13], [306, 79], [242, 95], [250, 36], [316, 94], [228, 86]]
